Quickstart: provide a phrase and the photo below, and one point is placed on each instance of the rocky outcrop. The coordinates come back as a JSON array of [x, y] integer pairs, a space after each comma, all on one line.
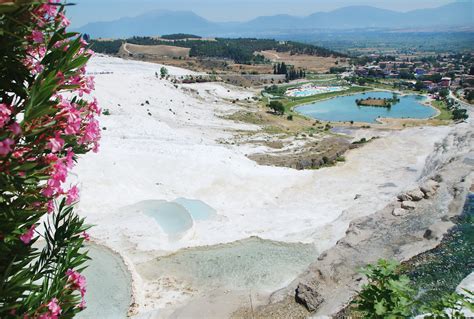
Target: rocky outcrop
[[408, 205], [417, 194], [310, 156], [394, 232], [308, 296]]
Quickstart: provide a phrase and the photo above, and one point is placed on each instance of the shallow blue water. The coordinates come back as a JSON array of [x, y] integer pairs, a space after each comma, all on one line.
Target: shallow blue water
[[108, 285], [344, 108], [172, 218], [198, 209], [176, 217]]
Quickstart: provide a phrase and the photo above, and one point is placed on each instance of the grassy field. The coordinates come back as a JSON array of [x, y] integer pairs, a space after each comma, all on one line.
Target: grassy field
[[445, 114]]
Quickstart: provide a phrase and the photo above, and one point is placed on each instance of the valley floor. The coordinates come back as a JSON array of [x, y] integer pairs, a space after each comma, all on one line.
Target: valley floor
[[162, 142]]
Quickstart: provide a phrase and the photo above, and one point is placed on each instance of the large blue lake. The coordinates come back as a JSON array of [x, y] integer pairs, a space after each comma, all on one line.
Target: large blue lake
[[344, 108]]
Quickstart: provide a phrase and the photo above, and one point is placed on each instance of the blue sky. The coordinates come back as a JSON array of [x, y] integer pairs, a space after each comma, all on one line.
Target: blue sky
[[227, 10]]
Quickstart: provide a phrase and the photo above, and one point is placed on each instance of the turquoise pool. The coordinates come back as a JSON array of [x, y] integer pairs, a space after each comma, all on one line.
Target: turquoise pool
[[345, 109], [198, 209], [174, 218], [109, 285], [247, 264]]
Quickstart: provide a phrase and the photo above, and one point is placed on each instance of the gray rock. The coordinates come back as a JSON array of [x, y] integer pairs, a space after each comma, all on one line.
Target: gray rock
[[403, 197], [399, 212], [409, 205], [429, 188], [416, 194], [308, 296]]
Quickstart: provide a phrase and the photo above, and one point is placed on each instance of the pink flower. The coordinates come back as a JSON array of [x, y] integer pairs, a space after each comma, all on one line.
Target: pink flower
[[91, 132], [94, 107], [53, 307], [60, 77], [54, 310], [28, 235], [64, 21], [50, 206], [37, 36], [58, 176], [50, 9], [15, 128], [77, 280], [69, 159], [56, 144], [5, 112], [86, 236], [82, 305], [5, 146], [74, 120], [72, 195]]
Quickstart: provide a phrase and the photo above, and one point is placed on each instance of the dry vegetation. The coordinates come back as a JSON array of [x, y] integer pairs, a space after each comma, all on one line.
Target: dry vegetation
[[155, 50], [309, 62]]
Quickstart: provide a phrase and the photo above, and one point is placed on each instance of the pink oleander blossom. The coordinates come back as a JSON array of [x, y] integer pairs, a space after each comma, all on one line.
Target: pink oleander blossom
[[15, 128], [5, 112], [37, 36], [6, 146], [53, 307], [49, 8], [86, 236], [28, 235], [58, 176], [82, 305], [74, 120], [54, 310], [56, 144], [63, 20], [50, 206], [91, 132], [77, 281], [69, 159], [72, 195], [94, 107]]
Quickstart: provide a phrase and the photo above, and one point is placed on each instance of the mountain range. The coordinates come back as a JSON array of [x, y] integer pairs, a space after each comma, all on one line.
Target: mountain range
[[456, 14]]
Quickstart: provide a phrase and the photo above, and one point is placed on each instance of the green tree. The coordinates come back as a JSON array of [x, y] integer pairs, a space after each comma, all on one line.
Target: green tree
[[443, 93], [277, 107], [163, 72]]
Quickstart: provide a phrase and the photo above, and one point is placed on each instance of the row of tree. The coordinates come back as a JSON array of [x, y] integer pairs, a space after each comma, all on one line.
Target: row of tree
[[289, 71]]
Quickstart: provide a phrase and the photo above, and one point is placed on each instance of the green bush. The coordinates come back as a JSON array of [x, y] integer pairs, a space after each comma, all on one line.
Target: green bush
[[45, 124], [277, 107], [389, 294]]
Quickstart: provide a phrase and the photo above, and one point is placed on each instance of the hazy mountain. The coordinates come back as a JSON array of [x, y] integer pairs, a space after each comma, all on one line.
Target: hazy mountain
[[152, 23], [353, 17]]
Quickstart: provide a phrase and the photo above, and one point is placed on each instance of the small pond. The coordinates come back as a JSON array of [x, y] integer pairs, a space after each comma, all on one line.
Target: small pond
[[251, 263], [344, 108], [108, 285], [174, 218]]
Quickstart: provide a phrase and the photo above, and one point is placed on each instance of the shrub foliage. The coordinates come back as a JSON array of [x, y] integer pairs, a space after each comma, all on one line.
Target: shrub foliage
[[45, 123]]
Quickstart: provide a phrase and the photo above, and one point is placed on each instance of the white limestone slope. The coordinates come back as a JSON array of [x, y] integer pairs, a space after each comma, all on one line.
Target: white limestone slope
[[174, 153]]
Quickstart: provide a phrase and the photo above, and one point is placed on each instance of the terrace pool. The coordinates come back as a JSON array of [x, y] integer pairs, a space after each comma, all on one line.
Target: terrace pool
[[251, 263], [174, 218], [198, 209], [108, 285], [310, 90], [344, 108]]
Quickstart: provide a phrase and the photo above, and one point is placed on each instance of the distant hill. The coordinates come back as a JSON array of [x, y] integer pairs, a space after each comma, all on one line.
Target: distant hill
[[354, 17]]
